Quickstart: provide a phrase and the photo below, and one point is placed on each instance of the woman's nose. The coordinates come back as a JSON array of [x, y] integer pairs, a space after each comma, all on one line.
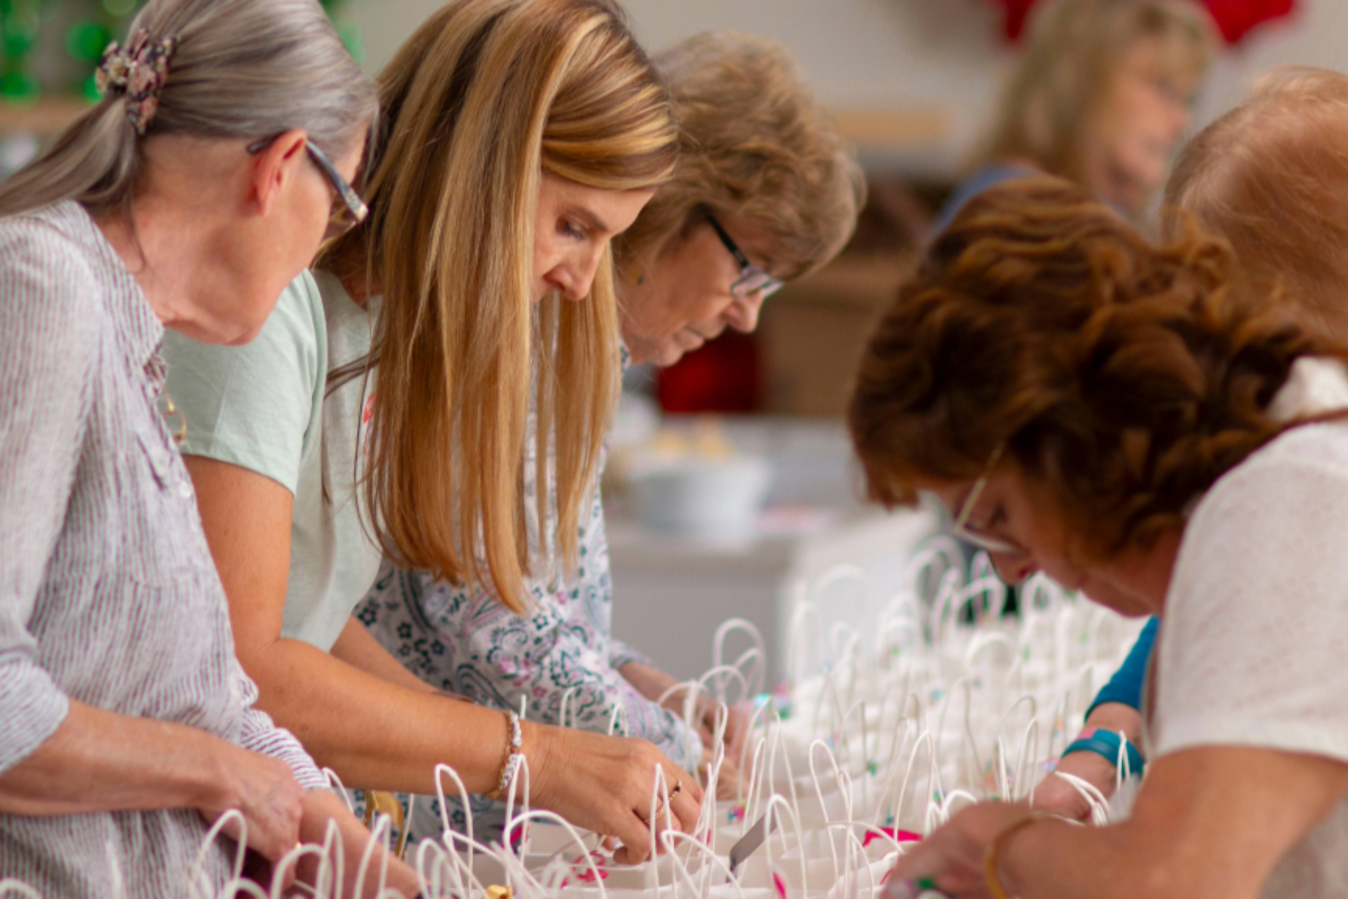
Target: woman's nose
[[1013, 569], [575, 275], [743, 314], [563, 279]]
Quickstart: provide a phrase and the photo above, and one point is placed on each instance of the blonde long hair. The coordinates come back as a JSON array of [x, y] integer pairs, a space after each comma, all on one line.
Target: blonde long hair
[[484, 98], [242, 69]]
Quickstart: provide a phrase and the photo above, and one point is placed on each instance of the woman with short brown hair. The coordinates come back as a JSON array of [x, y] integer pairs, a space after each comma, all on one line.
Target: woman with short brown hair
[[762, 166]]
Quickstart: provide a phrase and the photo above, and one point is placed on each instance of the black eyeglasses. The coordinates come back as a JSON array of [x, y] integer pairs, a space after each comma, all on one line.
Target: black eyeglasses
[[342, 220], [752, 279]]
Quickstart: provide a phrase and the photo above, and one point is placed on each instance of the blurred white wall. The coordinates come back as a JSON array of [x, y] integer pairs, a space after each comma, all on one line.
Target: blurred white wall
[[908, 54]]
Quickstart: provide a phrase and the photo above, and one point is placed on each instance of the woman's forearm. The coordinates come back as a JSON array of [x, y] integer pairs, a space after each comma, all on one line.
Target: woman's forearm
[[100, 761], [376, 734], [649, 682], [357, 646], [1117, 717]]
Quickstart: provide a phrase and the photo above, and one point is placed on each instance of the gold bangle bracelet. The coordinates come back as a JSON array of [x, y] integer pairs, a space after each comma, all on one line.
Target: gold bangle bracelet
[[990, 878]]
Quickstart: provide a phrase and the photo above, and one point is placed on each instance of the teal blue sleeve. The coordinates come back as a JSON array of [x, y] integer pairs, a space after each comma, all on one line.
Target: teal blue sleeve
[[259, 405], [1126, 684]]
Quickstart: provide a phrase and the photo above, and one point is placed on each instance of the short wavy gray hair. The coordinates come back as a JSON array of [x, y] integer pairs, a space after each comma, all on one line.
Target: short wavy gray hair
[[754, 145]]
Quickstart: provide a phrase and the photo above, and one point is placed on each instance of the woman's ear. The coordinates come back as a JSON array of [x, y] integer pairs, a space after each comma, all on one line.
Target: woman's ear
[[276, 167]]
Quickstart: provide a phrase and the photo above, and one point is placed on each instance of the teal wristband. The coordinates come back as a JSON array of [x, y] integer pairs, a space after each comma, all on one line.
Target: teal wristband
[[1105, 743]]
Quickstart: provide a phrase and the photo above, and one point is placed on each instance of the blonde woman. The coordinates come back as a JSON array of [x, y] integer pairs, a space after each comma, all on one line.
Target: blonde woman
[[382, 411], [1101, 97], [765, 190], [187, 200]]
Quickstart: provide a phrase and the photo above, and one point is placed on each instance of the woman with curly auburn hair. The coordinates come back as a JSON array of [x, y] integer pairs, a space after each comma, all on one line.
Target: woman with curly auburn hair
[[1271, 178], [1120, 416]]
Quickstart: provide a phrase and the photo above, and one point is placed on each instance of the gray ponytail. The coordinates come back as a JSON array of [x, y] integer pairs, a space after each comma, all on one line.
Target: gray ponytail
[[243, 69]]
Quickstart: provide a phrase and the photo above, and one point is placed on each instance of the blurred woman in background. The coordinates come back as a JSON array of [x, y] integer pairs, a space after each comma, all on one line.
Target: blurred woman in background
[[765, 191], [1101, 97]]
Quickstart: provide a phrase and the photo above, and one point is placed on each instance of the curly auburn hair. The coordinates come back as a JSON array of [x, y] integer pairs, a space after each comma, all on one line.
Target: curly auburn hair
[[754, 144], [1125, 377]]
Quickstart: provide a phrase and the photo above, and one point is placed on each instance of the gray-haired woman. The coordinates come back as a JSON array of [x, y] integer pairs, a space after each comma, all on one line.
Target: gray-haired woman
[[200, 186]]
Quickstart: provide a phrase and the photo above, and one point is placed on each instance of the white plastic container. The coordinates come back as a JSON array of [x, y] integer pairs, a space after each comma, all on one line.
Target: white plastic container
[[703, 498]]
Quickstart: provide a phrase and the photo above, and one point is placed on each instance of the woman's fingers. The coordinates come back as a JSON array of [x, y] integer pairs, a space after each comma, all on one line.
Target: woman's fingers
[[264, 791], [635, 839], [736, 727], [687, 805], [636, 847], [606, 783]]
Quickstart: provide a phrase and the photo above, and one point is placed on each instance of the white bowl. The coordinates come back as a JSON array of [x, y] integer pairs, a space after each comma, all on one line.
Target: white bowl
[[713, 499]]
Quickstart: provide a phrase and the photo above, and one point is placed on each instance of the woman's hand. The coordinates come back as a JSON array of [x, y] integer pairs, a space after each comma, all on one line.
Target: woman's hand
[[102, 761], [728, 782], [655, 684], [953, 856], [264, 791], [1056, 795], [605, 784]]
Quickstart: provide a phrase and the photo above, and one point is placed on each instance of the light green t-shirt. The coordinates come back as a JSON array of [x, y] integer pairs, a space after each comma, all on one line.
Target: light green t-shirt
[[262, 406]]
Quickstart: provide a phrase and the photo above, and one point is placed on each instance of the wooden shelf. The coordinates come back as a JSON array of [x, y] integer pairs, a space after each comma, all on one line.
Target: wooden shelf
[[868, 283], [43, 118], [869, 129], [892, 129]]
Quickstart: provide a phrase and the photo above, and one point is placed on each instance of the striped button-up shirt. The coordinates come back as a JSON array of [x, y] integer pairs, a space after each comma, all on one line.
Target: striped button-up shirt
[[108, 594]]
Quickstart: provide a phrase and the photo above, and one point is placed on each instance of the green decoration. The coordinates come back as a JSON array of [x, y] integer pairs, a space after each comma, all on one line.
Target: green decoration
[[85, 41], [19, 22], [102, 22], [351, 36], [348, 30]]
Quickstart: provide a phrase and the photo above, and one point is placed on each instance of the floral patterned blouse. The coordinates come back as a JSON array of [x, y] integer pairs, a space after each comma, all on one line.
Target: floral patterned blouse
[[462, 640]]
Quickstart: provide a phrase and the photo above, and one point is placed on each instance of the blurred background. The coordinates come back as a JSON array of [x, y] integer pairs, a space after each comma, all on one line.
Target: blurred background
[[754, 490]]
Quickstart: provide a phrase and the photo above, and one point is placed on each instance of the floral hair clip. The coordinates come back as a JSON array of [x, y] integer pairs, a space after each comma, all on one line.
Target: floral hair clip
[[137, 71]]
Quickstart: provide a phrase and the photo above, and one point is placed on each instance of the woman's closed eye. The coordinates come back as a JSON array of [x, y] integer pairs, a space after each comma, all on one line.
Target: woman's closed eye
[[571, 230], [995, 522]]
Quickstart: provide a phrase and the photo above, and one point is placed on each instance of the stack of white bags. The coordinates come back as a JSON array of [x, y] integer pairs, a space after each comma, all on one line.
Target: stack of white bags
[[882, 730]]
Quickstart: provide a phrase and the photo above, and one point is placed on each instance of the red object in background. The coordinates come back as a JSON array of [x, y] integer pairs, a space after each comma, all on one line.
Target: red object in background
[[720, 377], [1235, 18]]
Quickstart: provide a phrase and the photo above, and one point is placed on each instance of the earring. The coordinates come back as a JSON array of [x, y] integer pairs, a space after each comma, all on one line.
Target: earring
[[640, 277]]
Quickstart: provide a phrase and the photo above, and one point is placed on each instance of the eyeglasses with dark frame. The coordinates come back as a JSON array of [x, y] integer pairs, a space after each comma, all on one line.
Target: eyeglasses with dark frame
[[970, 534], [355, 210], [752, 279]]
